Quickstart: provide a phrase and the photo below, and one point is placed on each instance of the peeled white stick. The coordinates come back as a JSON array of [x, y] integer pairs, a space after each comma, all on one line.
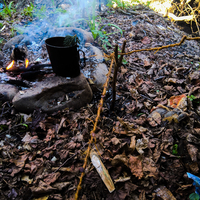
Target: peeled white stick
[[103, 172]]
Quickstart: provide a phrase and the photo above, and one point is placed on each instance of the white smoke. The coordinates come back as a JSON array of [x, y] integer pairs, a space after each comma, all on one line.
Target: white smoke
[[55, 14], [52, 15]]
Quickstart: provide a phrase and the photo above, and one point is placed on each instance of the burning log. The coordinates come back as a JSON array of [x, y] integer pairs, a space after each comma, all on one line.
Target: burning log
[[26, 67]]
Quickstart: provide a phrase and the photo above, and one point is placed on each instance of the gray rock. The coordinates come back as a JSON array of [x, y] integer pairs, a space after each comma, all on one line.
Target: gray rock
[[99, 74], [54, 94], [7, 92], [84, 36], [98, 71], [15, 41], [99, 57]]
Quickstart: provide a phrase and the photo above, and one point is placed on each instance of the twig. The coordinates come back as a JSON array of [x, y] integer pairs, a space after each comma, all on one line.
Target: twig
[[92, 133], [117, 65], [162, 47], [115, 77]]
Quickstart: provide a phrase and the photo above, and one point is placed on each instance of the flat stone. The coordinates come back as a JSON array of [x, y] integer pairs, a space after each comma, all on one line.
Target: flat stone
[[54, 94], [7, 92]]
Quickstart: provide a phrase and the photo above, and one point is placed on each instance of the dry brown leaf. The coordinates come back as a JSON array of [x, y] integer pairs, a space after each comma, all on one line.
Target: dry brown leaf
[[142, 144], [42, 188], [149, 168], [146, 40], [119, 159], [133, 143], [192, 150], [135, 165], [178, 102], [142, 195], [61, 185], [50, 135], [51, 178], [21, 161], [164, 193], [115, 141]]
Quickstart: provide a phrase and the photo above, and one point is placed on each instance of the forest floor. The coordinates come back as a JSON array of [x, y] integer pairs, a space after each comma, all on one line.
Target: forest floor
[[148, 142]]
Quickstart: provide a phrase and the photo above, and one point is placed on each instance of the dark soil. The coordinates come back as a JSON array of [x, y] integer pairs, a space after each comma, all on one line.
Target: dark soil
[[147, 143]]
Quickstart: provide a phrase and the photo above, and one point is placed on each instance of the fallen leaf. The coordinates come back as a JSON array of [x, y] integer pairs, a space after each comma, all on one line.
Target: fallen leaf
[[141, 144], [42, 188], [192, 150], [51, 178], [135, 165], [146, 40], [149, 168], [164, 193]]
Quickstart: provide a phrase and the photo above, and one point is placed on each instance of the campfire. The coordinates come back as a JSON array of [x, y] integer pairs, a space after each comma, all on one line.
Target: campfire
[[43, 86]]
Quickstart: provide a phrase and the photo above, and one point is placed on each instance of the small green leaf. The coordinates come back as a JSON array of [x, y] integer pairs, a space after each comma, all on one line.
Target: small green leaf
[[175, 149], [194, 196]]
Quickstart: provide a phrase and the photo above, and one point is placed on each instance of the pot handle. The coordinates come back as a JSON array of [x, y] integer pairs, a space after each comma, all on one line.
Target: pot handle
[[82, 62]]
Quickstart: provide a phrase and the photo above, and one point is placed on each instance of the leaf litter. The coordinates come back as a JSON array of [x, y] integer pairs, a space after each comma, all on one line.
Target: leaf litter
[[147, 144]]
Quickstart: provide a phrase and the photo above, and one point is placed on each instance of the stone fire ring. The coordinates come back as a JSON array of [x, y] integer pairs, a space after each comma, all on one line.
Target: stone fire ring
[[54, 94]]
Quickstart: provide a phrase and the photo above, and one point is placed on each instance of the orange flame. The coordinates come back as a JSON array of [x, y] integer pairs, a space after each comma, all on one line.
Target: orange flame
[[26, 63], [10, 65]]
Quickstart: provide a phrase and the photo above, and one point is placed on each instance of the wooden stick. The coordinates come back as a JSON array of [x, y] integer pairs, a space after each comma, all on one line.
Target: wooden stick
[[117, 65], [114, 77]]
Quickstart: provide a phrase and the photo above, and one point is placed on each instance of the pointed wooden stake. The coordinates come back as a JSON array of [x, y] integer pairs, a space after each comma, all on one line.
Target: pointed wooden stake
[[103, 172]]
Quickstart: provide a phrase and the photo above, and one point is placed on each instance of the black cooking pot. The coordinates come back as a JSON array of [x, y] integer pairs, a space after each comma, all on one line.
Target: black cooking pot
[[65, 61]]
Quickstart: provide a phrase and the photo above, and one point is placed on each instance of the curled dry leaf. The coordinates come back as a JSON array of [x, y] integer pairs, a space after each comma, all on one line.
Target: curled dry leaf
[[149, 168], [192, 150], [50, 135], [115, 141], [178, 102], [135, 165], [133, 143], [142, 144], [61, 185], [191, 138], [194, 167], [119, 159], [164, 193], [51, 178], [42, 188]]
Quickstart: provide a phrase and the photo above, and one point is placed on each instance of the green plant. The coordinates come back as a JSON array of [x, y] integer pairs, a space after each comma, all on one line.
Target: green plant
[[8, 10], [124, 61], [28, 11], [175, 149], [71, 40], [191, 97], [1, 40], [40, 13], [194, 196], [12, 32]]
